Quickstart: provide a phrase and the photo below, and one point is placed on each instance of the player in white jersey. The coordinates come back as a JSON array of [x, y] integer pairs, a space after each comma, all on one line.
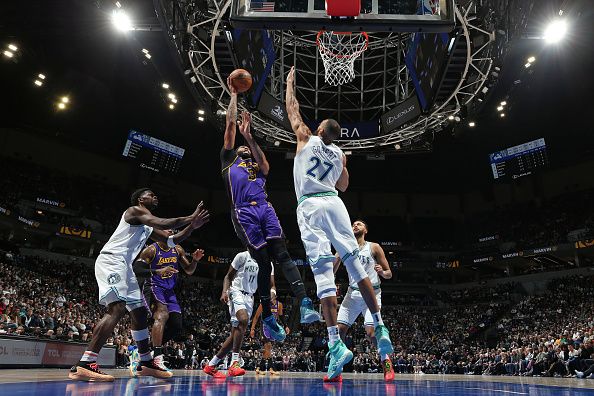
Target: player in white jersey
[[373, 259], [319, 170], [239, 286], [118, 287]]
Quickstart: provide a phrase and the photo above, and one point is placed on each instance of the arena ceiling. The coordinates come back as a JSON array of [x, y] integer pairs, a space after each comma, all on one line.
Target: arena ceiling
[[115, 88]]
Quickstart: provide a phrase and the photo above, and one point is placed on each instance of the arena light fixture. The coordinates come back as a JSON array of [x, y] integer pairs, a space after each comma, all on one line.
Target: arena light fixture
[[500, 108], [472, 124], [13, 47], [201, 119], [148, 56], [145, 51], [41, 76], [118, 4], [61, 106], [8, 54], [531, 59], [451, 118], [174, 100], [171, 106], [503, 103], [171, 96], [39, 83], [502, 115], [202, 112], [121, 20], [527, 65], [165, 85], [65, 99], [555, 31]]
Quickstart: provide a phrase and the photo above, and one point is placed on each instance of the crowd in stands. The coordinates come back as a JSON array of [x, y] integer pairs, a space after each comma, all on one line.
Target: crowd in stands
[[491, 331], [523, 225]]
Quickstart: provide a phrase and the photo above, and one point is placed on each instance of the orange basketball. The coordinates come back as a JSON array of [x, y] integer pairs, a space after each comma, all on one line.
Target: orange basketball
[[241, 80]]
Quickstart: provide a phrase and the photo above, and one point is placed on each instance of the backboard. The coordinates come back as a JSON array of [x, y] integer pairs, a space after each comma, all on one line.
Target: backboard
[[375, 16]]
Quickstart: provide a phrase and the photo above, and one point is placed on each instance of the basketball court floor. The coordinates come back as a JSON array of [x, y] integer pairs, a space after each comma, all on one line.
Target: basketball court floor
[[55, 382]]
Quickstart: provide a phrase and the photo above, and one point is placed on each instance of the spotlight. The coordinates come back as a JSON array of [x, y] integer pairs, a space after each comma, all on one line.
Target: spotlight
[[398, 147], [555, 31], [145, 51], [171, 96], [171, 106], [527, 65], [531, 59], [148, 56], [121, 20], [174, 100], [503, 103], [65, 99], [38, 83], [201, 119], [502, 115], [201, 112], [8, 54], [165, 85], [499, 108], [61, 106], [458, 119], [42, 76], [451, 118], [118, 4], [472, 124], [13, 47], [277, 143]]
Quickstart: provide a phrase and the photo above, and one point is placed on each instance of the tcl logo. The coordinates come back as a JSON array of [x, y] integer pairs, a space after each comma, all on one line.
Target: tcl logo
[[53, 353]]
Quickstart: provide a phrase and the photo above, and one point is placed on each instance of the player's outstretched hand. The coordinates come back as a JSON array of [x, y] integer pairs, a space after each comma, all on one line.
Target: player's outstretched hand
[[378, 268], [166, 272], [201, 218], [197, 255], [244, 125], [224, 297], [232, 89]]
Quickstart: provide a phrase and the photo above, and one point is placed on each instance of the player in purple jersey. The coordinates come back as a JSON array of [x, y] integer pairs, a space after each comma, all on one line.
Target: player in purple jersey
[[158, 265], [244, 172]]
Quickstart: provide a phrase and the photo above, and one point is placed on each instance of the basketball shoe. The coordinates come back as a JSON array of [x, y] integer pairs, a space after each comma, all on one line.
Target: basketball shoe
[[339, 356]]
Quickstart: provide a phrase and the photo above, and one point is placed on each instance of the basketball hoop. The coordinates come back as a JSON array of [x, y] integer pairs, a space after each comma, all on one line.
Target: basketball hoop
[[339, 50]]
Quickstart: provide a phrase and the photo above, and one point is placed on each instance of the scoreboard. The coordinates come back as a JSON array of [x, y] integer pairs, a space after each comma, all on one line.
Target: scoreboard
[[518, 161], [152, 153]]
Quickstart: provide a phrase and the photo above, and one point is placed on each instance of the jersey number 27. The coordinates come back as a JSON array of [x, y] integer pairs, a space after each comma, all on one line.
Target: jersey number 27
[[317, 162]]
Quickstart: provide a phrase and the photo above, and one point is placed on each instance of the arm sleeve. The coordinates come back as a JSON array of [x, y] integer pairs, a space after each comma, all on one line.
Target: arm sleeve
[[141, 269], [227, 157]]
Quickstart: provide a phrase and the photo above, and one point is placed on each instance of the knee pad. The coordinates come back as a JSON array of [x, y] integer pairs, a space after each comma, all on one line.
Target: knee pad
[[355, 269], [278, 249], [324, 276]]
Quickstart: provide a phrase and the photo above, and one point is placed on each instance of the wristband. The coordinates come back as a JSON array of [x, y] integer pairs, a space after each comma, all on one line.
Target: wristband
[[170, 242]]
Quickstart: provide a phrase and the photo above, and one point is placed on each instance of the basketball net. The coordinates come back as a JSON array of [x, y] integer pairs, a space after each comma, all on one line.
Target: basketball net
[[339, 50]]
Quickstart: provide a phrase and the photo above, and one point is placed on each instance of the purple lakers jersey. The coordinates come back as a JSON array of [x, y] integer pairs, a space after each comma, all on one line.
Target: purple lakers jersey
[[164, 258], [244, 181], [274, 309]]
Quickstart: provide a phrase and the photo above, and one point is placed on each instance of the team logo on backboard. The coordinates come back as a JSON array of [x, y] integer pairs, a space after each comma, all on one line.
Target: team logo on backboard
[[114, 278], [278, 113]]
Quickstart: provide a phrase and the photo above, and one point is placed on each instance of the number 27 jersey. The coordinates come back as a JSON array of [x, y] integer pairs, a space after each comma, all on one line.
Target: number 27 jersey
[[317, 167]]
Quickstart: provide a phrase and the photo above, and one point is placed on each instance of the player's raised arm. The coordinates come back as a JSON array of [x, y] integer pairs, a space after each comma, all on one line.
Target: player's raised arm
[[138, 214], [343, 181], [301, 130], [258, 154], [200, 218], [229, 139], [382, 267], [189, 267]]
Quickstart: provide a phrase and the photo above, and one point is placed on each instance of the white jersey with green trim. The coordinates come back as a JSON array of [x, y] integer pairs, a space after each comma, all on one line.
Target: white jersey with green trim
[[368, 262], [317, 167], [127, 240]]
